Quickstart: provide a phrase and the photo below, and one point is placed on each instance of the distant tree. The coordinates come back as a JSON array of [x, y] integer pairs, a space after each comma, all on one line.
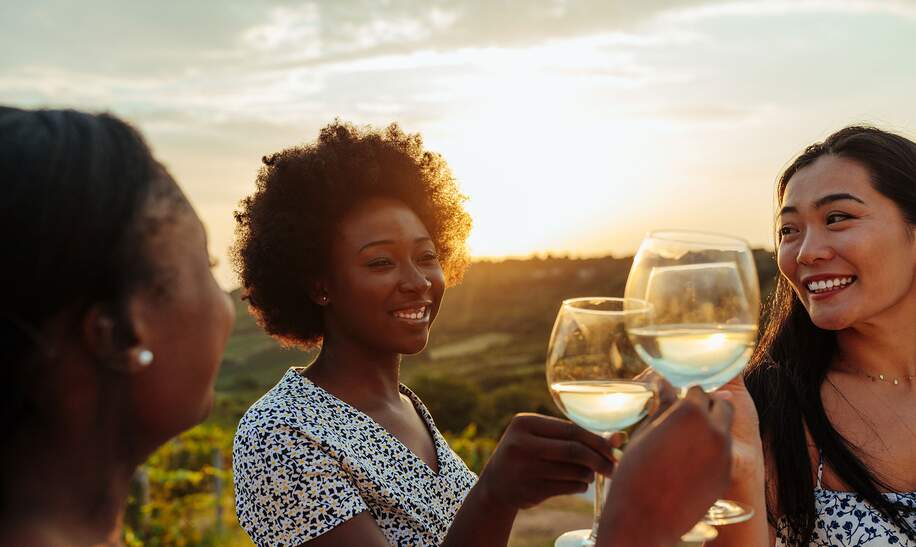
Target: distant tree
[[499, 406], [452, 402]]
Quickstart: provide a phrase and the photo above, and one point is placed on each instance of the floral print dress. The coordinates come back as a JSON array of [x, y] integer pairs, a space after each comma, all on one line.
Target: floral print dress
[[306, 462], [844, 519]]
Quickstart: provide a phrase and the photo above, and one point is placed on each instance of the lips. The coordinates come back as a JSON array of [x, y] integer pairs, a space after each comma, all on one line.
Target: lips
[[823, 284]]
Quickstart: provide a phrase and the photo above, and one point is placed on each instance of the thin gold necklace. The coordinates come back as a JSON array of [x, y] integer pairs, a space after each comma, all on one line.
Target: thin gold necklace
[[884, 377]]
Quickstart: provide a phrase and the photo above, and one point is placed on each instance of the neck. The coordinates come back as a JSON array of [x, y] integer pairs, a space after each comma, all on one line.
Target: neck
[[886, 346], [358, 375], [67, 470], [66, 491]]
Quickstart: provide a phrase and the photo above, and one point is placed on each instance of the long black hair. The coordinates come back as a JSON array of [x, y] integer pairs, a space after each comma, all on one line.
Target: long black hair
[[73, 191], [793, 357]]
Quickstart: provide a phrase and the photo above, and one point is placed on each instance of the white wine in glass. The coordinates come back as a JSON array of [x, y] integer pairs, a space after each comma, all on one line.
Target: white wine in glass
[[705, 302], [591, 365]]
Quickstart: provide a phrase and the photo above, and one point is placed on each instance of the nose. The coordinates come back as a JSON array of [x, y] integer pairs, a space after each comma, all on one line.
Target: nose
[[814, 247], [414, 280]]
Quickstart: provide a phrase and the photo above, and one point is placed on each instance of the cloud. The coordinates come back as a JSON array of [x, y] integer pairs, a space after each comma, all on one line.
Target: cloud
[[759, 8], [288, 28]]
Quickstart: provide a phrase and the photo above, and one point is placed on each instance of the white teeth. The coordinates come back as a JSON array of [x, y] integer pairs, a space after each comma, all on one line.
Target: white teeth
[[414, 314], [820, 286]]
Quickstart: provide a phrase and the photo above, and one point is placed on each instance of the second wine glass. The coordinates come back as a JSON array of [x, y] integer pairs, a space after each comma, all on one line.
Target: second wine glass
[[591, 366]]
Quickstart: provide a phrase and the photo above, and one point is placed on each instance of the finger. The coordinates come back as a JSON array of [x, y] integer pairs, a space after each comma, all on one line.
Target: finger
[[664, 396], [649, 375], [619, 439], [573, 452], [558, 471], [723, 395], [538, 424], [555, 428], [667, 393], [721, 415], [561, 488], [696, 395]]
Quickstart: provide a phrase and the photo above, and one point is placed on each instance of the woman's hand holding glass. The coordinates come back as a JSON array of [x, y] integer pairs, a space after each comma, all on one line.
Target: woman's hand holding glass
[[539, 457]]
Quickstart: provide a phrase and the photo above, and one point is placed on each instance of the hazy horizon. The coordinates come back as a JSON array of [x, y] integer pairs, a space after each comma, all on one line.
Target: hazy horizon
[[573, 126]]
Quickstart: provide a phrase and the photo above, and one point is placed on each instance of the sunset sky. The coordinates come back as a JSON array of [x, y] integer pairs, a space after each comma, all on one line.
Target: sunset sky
[[573, 126]]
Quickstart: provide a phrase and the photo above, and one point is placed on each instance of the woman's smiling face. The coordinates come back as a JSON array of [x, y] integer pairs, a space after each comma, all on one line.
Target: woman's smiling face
[[384, 282], [845, 248]]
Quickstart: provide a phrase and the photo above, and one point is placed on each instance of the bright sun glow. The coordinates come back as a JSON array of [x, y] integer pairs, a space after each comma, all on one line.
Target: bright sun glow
[[574, 127], [541, 168]]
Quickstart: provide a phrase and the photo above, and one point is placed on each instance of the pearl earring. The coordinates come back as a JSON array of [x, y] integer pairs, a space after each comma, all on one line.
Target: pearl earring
[[144, 357]]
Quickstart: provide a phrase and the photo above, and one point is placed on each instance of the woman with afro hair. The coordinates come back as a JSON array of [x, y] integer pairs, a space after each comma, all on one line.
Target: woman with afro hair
[[349, 243]]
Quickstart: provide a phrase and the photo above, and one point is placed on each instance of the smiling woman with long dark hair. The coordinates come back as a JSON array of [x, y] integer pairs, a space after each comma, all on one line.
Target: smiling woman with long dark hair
[[834, 375]]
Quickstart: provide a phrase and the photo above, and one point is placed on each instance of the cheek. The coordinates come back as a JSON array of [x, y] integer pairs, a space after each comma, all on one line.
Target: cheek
[[785, 261], [438, 286]]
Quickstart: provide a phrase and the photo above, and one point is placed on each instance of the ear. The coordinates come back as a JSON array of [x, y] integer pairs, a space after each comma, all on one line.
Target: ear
[[113, 342], [318, 292], [98, 333]]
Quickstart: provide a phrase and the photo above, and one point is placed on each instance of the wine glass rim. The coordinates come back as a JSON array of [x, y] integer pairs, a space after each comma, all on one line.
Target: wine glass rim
[[698, 237], [643, 305]]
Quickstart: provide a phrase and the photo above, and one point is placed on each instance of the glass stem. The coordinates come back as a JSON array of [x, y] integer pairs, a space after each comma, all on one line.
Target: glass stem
[[601, 484]]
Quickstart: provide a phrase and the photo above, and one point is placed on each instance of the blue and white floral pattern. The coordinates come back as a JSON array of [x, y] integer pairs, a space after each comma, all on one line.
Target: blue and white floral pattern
[[844, 519]]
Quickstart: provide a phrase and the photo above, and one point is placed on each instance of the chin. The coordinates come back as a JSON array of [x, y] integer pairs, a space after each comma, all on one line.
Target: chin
[[413, 348], [828, 322], [203, 411], [207, 406]]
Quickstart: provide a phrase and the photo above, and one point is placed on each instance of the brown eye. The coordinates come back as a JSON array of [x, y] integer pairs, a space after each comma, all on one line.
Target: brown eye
[[379, 263], [837, 217]]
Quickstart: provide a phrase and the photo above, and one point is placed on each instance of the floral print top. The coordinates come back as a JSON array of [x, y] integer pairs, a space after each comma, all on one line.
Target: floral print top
[[844, 519], [306, 462]]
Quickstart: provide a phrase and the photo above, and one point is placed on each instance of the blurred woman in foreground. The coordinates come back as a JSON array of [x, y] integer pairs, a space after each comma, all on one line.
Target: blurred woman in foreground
[[111, 329], [834, 375]]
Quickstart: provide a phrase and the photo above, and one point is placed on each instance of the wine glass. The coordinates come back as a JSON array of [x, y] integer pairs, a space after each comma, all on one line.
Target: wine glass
[[591, 365], [705, 301]]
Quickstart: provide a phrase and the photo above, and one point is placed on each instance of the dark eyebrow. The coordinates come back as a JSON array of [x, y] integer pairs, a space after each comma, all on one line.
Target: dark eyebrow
[[786, 210], [830, 198], [376, 243], [389, 242]]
